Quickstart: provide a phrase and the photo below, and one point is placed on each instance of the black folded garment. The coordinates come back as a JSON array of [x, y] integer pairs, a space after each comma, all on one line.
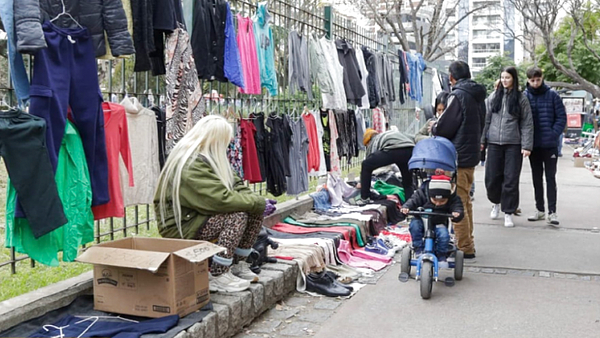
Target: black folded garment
[[324, 284]]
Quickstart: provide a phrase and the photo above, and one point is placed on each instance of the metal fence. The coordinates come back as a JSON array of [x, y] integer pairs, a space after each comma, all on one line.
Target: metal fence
[[118, 80]]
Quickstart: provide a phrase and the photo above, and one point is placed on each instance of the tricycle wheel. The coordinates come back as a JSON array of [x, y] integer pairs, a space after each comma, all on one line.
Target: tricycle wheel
[[426, 279], [405, 260], [459, 261]]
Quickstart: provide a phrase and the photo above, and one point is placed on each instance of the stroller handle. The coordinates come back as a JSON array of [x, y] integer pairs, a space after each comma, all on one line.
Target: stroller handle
[[428, 213]]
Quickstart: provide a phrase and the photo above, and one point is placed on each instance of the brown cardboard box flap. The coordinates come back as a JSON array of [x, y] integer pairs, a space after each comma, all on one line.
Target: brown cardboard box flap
[[199, 252], [127, 258]]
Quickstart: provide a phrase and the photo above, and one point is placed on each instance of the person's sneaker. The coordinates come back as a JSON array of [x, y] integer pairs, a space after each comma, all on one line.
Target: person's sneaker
[[508, 221], [242, 270], [362, 202], [469, 258], [227, 282], [443, 265], [553, 219], [538, 216], [495, 211]]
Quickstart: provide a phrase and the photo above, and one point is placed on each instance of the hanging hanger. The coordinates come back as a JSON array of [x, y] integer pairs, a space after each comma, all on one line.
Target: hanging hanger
[[4, 104], [64, 12]]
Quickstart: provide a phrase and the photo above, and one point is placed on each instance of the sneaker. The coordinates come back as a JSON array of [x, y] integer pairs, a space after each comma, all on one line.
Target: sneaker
[[508, 221], [443, 265], [553, 219], [495, 211], [227, 282], [538, 216], [469, 258], [387, 245], [362, 202], [242, 270]]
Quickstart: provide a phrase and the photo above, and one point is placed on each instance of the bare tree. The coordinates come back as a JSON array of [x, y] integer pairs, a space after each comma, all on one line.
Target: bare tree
[[426, 23], [544, 15]]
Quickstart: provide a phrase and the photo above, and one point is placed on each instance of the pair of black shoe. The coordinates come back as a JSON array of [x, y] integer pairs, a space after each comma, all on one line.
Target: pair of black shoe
[[325, 283]]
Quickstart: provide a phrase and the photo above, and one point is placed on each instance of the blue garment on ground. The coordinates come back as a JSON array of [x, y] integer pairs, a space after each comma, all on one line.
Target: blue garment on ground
[[71, 326], [321, 200], [265, 48], [232, 64], [15, 60]]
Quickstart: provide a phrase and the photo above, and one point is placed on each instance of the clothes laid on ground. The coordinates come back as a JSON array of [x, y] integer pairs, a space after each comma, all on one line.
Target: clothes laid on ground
[[143, 142], [360, 259], [359, 234], [297, 182], [389, 189], [318, 234], [117, 145], [72, 326], [347, 231], [75, 191]]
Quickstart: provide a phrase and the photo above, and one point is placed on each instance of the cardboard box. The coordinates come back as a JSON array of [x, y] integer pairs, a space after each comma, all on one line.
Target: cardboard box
[[579, 161], [150, 277]]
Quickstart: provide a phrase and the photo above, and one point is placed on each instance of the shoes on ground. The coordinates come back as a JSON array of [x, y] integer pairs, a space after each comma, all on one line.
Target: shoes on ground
[[324, 284], [242, 270], [227, 282], [495, 211], [538, 216], [553, 219], [508, 221]]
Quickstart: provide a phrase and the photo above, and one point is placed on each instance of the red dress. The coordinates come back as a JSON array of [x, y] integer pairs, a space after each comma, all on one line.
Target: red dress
[[117, 142], [250, 158], [314, 156]]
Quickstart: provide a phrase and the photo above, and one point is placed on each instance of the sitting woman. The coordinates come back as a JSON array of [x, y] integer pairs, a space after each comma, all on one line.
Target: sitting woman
[[199, 197]]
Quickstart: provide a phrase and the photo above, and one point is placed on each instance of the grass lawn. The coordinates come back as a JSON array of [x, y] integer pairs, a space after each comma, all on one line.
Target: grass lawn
[[30, 278]]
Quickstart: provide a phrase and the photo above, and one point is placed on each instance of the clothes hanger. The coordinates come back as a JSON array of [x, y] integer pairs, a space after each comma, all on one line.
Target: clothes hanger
[[3, 104], [64, 12]]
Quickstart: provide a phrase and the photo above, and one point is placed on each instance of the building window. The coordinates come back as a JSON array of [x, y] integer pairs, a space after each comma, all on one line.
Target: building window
[[487, 20], [485, 34], [479, 62], [486, 47]]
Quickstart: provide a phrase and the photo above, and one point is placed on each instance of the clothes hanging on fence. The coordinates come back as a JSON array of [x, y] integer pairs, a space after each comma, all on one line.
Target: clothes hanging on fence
[[298, 65], [334, 156], [326, 138], [75, 191], [249, 58], [23, 149], [361, 128], [265, 47], [277, 153], [117, 143], [320, 134], [297, 183], [337, 98], [142, 12], [378, 120], [208, 43], [232, 65], [261, 138], [18, 75], [250, 159], [389, 77], [372, 79], [185, 104], [417, 67], [313, 155], [343, 141], [364, 100], [143, 142], [404, 76], [65, 76], [351, 74], [235, 152], [352, 132], [161, 125], [319, 70]]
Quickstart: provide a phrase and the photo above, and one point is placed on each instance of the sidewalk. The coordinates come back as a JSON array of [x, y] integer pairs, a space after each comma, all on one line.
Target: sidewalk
[[529, 281]]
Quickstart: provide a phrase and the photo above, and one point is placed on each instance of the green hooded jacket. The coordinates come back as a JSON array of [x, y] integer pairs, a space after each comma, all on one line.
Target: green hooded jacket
[[201, 195]]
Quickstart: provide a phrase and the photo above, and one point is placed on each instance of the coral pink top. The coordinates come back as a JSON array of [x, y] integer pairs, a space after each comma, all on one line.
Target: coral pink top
[[117, 142]]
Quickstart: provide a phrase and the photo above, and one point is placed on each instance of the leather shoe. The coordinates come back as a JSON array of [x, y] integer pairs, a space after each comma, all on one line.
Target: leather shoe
[[322, 284], [334, 276]]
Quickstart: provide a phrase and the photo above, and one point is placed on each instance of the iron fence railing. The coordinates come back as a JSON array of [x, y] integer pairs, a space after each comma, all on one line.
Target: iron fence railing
[[118, 80]]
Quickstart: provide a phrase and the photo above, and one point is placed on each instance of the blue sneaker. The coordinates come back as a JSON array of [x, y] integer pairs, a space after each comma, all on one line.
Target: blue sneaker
[[375, 248]]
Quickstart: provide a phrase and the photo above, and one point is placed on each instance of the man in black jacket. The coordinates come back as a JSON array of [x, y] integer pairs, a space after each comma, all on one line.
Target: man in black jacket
[[462, 123]]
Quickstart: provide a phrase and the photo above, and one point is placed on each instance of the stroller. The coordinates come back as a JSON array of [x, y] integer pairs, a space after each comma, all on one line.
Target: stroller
[[431, 157]]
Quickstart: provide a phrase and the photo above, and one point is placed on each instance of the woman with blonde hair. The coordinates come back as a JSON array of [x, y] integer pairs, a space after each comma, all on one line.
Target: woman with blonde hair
[[199, 197]]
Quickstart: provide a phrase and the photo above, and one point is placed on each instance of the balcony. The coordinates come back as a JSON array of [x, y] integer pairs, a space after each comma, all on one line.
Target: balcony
[[482, 51], [479, 65]]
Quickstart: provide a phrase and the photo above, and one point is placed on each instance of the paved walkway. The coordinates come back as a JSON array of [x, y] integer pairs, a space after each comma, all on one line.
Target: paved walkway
[[529, 281]]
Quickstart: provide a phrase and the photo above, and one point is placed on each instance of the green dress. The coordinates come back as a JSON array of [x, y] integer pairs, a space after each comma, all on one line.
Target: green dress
[[75, 191]]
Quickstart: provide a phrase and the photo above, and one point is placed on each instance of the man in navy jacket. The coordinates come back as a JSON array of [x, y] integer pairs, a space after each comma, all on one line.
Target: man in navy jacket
[[549, 119]]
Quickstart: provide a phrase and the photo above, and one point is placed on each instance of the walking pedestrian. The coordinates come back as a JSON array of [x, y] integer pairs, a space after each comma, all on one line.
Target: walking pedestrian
[[549, 121], [462, 123], [508, 133]]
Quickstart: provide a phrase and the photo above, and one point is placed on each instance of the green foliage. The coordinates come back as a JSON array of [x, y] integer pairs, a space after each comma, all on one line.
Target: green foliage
[[584, 62], [488, 75]]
